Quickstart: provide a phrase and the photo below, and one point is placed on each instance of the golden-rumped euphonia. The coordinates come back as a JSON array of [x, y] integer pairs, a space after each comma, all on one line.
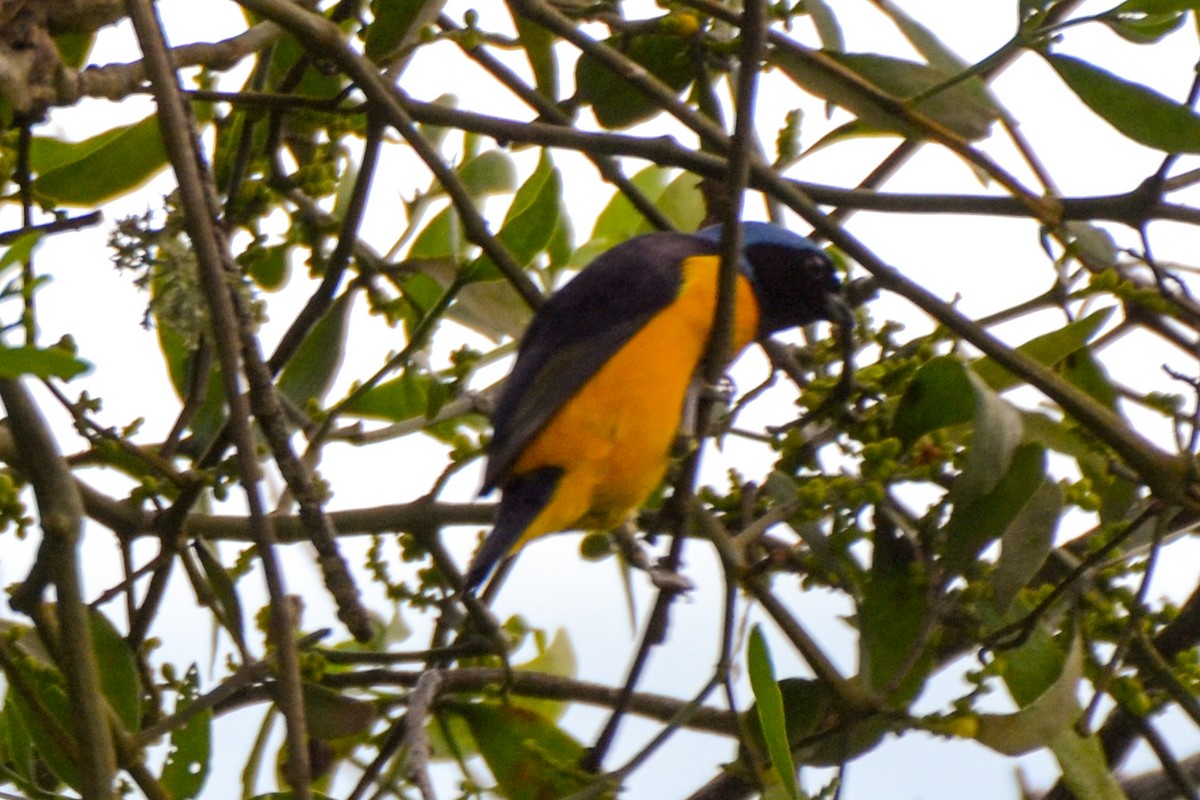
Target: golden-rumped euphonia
[[585, 422]]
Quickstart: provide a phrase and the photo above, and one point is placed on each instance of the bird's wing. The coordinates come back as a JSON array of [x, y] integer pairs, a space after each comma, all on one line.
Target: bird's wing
[[578, 330]]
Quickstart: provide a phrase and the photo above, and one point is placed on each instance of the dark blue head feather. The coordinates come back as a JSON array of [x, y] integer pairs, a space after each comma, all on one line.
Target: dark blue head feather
[[793, 280]]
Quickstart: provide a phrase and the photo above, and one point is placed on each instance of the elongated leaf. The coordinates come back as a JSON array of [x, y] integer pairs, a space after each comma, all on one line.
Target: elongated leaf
[[189, 758], [538, 44], [118, 671], [313, 368], [862, 83], [1085, 770], [945, 393], [332, 715], [1041, 721], [1049, 349], [1137, 111], [50, 362], [1027, 542], [1134, 7], [19, 755], [923, 40], [100, 168], [557, 658], [531, 220], [489, 173], [1145, 28], [20, 251], [396, 400], [769, 701], [981, 520], [939, 395], [829, 31], [529, 756], [614, 100], [46, 719], [529, 224], [997, 431], [397, 23], [223, 590], [682, 202], [892, 614]]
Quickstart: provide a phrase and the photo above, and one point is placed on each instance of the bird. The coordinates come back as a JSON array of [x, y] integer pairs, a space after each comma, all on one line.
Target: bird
[[584, 425]]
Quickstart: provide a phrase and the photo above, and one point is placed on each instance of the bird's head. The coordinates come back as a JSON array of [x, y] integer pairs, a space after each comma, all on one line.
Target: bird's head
[[794, 281]]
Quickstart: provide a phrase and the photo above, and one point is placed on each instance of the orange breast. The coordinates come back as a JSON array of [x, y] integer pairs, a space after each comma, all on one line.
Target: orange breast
[[613, 439]]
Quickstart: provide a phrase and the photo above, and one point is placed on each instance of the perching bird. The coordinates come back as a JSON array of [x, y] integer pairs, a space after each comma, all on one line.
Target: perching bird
[[585, 422]]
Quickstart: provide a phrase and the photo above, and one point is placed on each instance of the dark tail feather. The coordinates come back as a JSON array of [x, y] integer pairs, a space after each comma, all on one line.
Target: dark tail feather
[[524, 497]]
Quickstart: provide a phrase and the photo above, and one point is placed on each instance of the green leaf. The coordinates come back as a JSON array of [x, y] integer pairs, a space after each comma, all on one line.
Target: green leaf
[[45, 718], [333, 715], [1048, 349], [1145, 28], [1132, 7], [118, 671], [679, 198], [982, 519], [1137, 111], [996, 431], [681, 202], [529, 756], [189, 757], [1085, 770], [939, 395], [531, 220], [538, 44], [1116, 493], [529, 224], [1039, 722], [492, 308], [20, 758], [268, 266], [829, 31], [181, 361], [49, 362], [1083, 370], [74, 48], [945, 393], [619, 220], [1091, 243], [854, 129], [223, 590], [397, 23], [105, 166], [924, 40], [769, 701], [892, 614], [312, 370], [557, 658], [20, 251], [1026, 544], [855, 81], [396, 400], [440, 238], [616, 102], [489, 173]]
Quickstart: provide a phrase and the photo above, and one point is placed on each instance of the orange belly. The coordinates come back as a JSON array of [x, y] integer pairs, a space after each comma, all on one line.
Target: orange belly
[[613, 439]]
